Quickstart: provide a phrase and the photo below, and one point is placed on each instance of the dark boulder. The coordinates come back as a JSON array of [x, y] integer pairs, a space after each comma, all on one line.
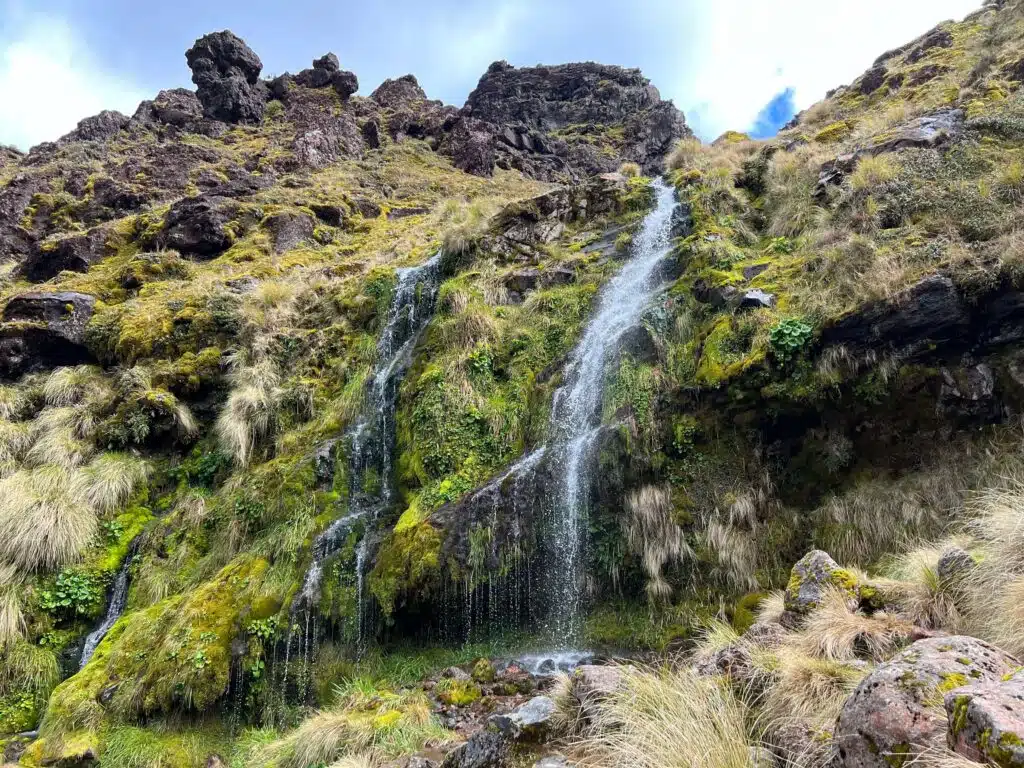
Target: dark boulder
[[483, 750], [74, 254], [329, 214], [969, 393], [178, 107], [929, 312], [399, 92], [371, 134], [937, 38], [873, 79], [756, 299], [197, 227], [226, 72], [345, 84], [44, 330], [366, 208]]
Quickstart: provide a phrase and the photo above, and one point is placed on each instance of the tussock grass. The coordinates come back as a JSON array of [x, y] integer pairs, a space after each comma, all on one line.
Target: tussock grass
[[805, 689], [791, 179], [873, 171], [685, 154], [45, 520], [463, 224], [839, 632], [109, 480], [772, 606], [630, 170], [668, 720], [74, 385], [250, 414], [922, 597], [653, 535]]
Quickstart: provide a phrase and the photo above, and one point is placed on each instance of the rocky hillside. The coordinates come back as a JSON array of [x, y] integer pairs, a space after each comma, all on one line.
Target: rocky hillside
[[301, 386]]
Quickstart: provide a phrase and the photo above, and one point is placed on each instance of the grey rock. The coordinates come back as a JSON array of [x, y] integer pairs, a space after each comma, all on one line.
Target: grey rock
[[888, 716], [398, 92], [553, 761], [324, 462], [483, 750], [749, 273], [872, 80], [472, 146], [323, 139], [329, 214], [761, 757], [328, 62], [102, 127], [986, 722], [456, 673], [289, 229], [969, 392], [528, 722], [954, 564], [813, 574]]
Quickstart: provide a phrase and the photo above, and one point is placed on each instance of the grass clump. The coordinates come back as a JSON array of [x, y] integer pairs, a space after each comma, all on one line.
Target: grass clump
[[365, 724], [668, 720]]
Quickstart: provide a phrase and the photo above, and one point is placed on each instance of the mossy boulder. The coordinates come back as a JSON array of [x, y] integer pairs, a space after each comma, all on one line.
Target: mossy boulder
[[174, 655], [895, 712], [813, 574], [483, 671], [986, 722]]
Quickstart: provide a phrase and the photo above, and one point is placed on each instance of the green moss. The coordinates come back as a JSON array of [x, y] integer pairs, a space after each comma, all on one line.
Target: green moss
[[458, 693], [951, 681], [173, 655], [835, 132], [483, 671], [408, 560]]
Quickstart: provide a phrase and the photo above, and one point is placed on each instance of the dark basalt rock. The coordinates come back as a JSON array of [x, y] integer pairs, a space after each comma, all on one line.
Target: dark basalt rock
[[937, 38], [74, 254], [345, 84], [329, 214], [226, 72], [545, 99], [872, 80], [197, 227], [399, 92], [471, 145], [177, 107], [44, 330], [483, 750], [102, 127]]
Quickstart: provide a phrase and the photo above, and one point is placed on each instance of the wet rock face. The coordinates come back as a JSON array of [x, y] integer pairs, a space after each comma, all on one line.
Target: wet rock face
[[226, 72], [44, 330], [889, 716], [531, 721]]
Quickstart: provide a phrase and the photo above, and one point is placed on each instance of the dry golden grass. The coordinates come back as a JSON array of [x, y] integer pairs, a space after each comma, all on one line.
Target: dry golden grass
[[839, 632], [45, 521], [805, 689], [250, 414], [914, 583], [685, 154], [653, 535], [630, 170], [667, 720], [873, 171], [772, 606], [109, 480], [364, 724], [789, 201]]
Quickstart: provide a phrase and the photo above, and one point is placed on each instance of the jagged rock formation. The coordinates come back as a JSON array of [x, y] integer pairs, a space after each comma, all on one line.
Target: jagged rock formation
[[555, 109]]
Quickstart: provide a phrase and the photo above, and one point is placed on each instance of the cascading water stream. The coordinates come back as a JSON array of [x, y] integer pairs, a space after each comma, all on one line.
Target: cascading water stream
[[576, 415], [118, 600], [372, 437]]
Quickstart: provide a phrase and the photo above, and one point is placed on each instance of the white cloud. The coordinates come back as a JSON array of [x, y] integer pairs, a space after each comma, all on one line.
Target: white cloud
[[746, 51], [49, 81]]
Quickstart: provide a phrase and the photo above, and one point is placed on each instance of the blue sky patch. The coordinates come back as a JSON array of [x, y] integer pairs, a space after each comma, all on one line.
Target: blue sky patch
[[776, 113]]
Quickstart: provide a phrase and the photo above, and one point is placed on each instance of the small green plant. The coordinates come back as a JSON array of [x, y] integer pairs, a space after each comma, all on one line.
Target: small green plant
[[789, 338], [264, 629], [779, 246], [74, 593]]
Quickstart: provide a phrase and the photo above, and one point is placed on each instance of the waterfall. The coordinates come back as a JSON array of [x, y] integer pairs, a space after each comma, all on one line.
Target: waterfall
[[118, 600], [576, 416], [372, 437]]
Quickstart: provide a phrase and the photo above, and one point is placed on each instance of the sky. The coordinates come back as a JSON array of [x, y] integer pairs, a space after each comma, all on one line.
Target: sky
[[743, 65]]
